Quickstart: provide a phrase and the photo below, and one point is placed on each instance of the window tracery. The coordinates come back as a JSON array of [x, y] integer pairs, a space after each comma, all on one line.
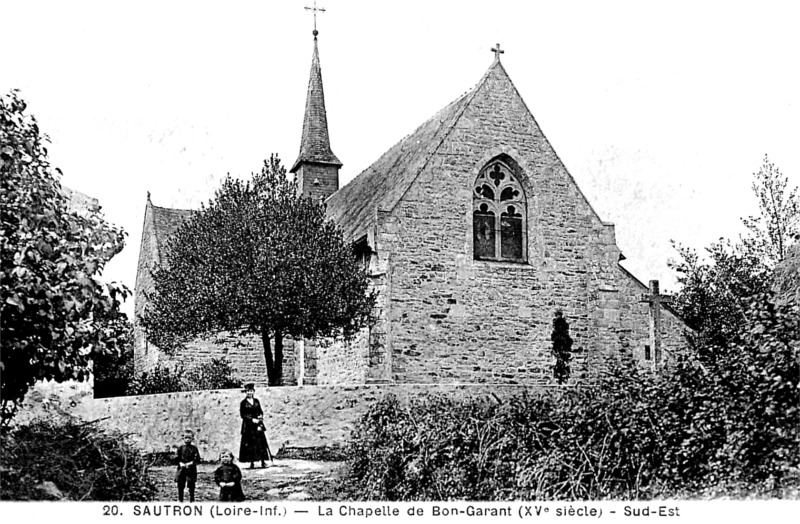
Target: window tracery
[[498, 214]]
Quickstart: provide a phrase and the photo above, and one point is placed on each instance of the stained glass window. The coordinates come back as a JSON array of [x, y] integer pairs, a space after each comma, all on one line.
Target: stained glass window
[[498, 211]]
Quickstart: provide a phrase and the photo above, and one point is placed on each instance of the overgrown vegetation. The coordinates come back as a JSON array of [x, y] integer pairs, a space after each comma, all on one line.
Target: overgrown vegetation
[[723, 418], [113, 370], [71, 461], [216, 374], [697, 427]]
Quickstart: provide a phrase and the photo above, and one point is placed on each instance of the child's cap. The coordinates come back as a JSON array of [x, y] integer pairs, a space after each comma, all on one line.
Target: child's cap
[[188, 433], [226, 453]]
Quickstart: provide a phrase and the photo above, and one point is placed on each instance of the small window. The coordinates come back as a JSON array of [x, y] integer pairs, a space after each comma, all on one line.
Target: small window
[[498, 214]]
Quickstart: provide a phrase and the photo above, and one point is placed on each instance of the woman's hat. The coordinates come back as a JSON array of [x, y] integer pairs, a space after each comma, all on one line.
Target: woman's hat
[[249, 387]]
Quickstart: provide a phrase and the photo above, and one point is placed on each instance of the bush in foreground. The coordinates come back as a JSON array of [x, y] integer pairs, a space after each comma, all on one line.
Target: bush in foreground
[[71, 461], [700, 428]]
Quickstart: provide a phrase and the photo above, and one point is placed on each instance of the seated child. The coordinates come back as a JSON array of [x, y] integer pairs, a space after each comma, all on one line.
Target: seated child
[[188, 459], [228, 477]]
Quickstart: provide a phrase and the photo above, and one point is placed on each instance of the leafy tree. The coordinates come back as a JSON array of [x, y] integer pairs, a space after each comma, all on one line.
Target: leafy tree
[[261, 260], [778, 224], [56, 314], [716, 291], [113, 370]]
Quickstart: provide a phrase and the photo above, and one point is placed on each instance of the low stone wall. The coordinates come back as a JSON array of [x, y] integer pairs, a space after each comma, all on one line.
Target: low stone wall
[[299, 416]]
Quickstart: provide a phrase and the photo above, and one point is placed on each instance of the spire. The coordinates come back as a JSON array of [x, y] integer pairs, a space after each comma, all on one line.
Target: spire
[[315, 144]]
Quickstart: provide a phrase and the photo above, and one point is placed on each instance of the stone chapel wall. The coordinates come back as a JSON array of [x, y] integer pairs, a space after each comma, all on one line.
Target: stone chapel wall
[[453, 319], [245, 354], [363, 359]]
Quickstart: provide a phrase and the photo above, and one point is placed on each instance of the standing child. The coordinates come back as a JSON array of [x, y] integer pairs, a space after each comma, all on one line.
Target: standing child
[[228, 477], [188, 459]]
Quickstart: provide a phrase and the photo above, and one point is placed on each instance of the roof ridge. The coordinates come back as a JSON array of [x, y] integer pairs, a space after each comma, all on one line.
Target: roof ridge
[[553, 149], [471, 96], [395, 171], [174, 208], [399, 143]]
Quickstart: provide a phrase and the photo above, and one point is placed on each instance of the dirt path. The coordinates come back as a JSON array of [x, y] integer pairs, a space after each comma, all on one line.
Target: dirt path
[[286, 479]]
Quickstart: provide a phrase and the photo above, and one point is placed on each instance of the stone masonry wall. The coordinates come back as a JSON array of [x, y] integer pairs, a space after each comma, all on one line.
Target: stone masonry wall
[[142, 357], [295, 416], [245, 354], [318, 181], [341, 362], [357, 361], [453, 319]]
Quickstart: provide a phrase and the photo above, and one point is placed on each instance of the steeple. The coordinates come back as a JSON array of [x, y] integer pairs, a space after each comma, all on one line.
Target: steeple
[[316, 167]]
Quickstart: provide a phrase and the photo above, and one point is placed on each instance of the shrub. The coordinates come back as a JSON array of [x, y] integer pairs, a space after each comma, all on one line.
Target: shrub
[[216, 374], [729, 421], [160, 379], [82, 461], [113, 370], [442, 449]]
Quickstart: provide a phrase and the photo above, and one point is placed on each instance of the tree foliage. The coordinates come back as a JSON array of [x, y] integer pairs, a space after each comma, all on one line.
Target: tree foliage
[[778, 223], [56, 313], [113, 370], [261, 260], [727, 427], [717, 289], [715, 292]]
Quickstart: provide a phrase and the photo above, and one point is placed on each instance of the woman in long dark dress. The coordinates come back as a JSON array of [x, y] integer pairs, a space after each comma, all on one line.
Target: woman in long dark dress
[[254, 445]]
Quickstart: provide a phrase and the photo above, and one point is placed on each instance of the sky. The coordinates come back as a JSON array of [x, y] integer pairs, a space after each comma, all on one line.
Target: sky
[[661, 111]]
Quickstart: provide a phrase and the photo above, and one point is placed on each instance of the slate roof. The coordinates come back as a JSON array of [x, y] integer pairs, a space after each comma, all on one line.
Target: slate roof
[[165, 223], [315, 146], [354, 207]]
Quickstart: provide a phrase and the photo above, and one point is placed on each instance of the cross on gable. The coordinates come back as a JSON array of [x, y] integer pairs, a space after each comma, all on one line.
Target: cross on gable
[[497, 52], [655, 299], [314, 9]]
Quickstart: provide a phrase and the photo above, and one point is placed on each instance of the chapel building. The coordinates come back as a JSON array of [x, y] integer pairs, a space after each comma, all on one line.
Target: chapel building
[[474, 235]]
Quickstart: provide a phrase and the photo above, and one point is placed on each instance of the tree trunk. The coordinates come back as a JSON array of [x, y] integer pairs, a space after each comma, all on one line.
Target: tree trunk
[[278, 365], [274, 363], [268, 354]]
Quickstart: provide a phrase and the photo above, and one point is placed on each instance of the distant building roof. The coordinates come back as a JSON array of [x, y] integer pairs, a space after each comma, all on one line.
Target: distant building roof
[[165, 224], [79, 202]]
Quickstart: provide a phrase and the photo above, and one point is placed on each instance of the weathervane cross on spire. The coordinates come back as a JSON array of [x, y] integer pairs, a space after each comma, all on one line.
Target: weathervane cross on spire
[[496, 50], [314, 9]]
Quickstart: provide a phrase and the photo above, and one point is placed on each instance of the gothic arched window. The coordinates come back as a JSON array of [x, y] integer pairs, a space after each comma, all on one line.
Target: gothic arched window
[[498, 214]]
